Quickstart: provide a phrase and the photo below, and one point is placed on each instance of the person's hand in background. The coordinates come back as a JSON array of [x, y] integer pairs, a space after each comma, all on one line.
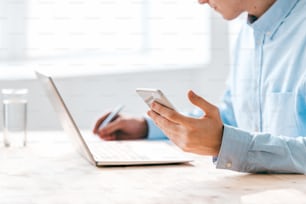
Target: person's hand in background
[[122, 128]]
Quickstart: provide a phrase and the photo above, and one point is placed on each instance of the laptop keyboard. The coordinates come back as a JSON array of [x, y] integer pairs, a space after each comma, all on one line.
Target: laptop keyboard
[[115, 151], [133, 151]]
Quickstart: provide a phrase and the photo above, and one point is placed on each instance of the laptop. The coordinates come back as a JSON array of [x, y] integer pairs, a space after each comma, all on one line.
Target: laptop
[[111, 153]]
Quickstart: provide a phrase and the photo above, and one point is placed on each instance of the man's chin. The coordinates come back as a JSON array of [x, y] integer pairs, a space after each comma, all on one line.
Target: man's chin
[[229, 17]]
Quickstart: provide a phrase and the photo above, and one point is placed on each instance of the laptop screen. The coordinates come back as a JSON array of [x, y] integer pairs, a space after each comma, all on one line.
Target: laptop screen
[[64, 115]]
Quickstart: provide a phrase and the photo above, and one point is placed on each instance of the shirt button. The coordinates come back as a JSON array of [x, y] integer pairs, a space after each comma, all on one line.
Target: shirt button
[[228, 164]]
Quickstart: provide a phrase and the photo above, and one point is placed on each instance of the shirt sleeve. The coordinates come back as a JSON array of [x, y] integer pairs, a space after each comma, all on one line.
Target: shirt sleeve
[[261, 152], [154, 133]]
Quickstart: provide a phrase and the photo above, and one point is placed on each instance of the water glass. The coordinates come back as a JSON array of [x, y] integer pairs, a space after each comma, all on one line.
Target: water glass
[[14, 117]]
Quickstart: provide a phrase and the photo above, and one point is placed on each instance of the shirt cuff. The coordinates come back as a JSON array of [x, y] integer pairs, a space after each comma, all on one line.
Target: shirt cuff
[[154, 133], [234, 149]]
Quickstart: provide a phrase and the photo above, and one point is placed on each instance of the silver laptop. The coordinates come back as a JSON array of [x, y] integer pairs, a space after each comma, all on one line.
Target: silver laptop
[[111, 153]]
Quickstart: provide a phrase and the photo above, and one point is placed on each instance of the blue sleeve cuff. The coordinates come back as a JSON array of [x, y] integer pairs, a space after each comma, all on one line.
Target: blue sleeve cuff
[[154, 133], [234, 149]]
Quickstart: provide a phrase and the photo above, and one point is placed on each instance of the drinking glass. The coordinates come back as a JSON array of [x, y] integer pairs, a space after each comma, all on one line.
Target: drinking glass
[[14, 117]]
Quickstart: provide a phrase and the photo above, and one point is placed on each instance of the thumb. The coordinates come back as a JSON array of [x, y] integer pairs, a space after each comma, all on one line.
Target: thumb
[[200, 102]]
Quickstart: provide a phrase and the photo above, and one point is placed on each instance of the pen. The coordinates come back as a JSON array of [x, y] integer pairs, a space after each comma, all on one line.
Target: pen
[[112, 115]]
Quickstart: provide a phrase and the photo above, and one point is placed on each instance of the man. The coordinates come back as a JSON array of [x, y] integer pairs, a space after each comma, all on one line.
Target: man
[[261, 123]]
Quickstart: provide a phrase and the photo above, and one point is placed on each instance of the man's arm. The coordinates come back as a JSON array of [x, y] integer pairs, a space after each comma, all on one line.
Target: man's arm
[[261, 152], [236, 149]]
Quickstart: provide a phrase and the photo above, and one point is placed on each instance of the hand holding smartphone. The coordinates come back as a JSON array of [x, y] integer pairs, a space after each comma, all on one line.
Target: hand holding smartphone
[[150, 95]]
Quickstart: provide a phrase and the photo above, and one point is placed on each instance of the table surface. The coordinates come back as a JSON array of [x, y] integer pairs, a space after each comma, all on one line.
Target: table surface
[[49, 170]]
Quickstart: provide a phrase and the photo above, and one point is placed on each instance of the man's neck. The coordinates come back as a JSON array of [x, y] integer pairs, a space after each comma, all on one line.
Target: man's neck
[[258, 7]]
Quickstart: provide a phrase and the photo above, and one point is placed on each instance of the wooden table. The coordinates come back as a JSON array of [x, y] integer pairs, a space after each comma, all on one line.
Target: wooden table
[[48, 170]]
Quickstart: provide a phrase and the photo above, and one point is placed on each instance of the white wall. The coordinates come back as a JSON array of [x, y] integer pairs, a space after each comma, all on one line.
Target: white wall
[[89, 96]]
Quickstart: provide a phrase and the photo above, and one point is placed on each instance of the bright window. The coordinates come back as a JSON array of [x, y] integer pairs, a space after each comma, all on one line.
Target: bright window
[[152, 31]]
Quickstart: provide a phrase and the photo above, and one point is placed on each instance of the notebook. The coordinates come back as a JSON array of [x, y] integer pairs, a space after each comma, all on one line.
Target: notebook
[[110, 153]]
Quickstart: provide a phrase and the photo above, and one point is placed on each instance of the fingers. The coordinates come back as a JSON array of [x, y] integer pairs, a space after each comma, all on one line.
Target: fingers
[[112, 127], [108, 137], [167, 113], [99, 122], [200, 102], [203, 1], [110, 131], [170, 128]]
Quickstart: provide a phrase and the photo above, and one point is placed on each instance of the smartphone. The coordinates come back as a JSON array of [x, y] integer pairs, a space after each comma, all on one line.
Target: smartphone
[[150, 95]]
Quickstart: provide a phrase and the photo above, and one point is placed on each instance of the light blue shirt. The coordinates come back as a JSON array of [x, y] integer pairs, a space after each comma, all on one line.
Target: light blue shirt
[[264, 106]]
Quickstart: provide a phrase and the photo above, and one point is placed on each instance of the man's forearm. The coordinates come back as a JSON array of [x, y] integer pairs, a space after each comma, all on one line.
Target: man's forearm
[[261, 152]]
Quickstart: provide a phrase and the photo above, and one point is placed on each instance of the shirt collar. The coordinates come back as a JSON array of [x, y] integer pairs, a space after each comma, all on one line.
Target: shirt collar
[[273, 17]]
